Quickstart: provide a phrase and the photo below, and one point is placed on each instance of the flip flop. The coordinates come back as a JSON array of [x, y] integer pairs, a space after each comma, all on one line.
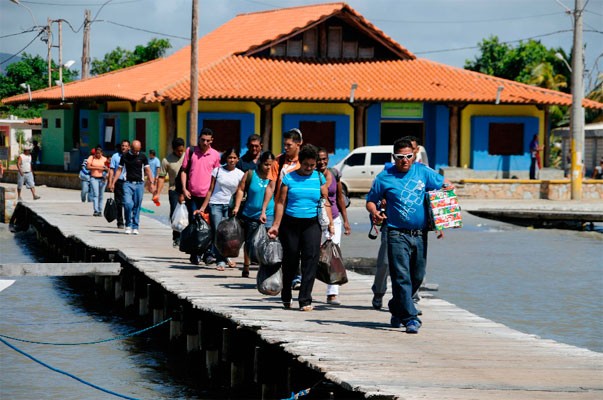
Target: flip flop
[[220, 268], [231, 264]]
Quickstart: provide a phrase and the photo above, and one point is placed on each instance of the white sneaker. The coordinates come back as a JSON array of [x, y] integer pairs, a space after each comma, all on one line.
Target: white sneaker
[[135, 232], [128, 230]]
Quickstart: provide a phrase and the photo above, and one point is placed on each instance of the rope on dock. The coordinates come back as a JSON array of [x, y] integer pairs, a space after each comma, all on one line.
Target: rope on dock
[[94, 342], [66, 373], [295, 396]]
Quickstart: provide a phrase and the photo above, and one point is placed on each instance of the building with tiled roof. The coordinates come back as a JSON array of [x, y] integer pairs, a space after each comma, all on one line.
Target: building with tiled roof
[[324, 69]]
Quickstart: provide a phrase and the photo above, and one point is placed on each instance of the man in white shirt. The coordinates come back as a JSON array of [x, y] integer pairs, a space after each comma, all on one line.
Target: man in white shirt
[[25, 173]]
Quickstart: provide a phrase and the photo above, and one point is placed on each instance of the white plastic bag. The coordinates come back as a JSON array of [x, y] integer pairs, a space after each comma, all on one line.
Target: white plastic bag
[[180, 218]]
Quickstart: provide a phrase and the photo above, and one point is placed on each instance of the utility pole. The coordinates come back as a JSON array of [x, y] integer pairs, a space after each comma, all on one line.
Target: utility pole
[[86, 46], [49, 55], [577, 112], [194, 113], [60, 23]]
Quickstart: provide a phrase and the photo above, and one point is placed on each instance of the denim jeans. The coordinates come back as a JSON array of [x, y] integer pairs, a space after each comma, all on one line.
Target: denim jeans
[[133, 192], [407, 260], [86, 193], [98, 188], [382, 271], [217, 213]]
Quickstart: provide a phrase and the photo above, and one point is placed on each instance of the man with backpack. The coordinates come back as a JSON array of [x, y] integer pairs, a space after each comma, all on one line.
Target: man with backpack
[[170, 166], [195, 177]]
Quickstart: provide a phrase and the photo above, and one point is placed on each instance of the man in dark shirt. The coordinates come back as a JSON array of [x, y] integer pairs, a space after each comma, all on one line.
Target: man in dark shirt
[[136, 165], [250, 159]]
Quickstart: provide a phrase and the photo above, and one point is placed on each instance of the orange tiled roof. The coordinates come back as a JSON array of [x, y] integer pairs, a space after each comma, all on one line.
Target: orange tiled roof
[[34, 121], [226, 72], [401, 80]]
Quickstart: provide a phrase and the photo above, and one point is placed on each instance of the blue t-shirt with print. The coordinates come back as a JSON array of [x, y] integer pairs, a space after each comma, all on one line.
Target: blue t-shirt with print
[[303, 194], [405, 194], [255, 197]]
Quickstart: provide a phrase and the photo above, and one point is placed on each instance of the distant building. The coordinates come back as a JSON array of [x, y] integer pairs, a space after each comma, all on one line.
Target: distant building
[[14, 133], [593, 146]]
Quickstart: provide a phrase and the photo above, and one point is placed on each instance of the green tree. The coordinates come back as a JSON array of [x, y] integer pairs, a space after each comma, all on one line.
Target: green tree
[[518, 63], [33, 71], [122, 58], [529, 62]]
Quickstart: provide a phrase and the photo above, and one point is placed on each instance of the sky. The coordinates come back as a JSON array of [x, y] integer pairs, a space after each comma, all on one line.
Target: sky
[[446, 31]]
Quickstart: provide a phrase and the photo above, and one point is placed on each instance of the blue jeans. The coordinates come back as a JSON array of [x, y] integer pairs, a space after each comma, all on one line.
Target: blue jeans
[[217, 213], [133, 192], [87, 191], [407, 260], [380, 282], [98, 188]]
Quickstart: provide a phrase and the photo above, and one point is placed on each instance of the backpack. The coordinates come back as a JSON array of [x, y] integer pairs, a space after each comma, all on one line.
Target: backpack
[[178, 183]]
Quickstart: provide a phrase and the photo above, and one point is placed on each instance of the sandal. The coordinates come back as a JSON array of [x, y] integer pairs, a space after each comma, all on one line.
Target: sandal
[[231, 264], [309, 307], [245, 272], [219, 268]]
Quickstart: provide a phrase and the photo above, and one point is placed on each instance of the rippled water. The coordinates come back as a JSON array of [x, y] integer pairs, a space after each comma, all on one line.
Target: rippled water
[[47, 309], [546, 282]]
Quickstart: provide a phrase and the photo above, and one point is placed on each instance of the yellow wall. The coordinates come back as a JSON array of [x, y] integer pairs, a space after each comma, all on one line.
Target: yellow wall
[[493, 111], [217, 106], [119, 106], [306, 108]]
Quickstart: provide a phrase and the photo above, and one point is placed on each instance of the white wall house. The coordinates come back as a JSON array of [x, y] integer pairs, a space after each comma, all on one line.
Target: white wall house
[[10, 147]]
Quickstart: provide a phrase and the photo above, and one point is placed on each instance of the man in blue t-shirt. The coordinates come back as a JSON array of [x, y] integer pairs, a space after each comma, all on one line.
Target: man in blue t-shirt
[[119, 185], [403, 186]]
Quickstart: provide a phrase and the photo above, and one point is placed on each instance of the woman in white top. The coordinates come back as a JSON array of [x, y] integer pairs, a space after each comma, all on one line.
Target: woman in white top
[[224, 183]]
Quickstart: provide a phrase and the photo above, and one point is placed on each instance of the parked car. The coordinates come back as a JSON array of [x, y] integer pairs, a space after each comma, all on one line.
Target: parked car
[[359, 168]]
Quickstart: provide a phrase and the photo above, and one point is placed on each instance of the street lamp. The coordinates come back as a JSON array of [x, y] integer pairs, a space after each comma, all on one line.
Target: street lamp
[[28, 9], [353, 91], [560, 56], [26, 86]]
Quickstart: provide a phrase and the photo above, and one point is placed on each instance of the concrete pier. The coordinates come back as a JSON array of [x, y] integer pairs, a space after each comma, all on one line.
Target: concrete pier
[[457, 355]]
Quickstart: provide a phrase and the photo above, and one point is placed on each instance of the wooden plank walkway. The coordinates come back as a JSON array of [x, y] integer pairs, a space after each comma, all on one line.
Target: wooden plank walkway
[[456, 355]]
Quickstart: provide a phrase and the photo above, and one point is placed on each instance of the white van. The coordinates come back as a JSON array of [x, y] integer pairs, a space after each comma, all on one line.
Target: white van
[[359, 168]]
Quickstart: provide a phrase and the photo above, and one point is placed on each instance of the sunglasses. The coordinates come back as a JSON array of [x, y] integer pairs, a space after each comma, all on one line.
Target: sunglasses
[[403, 156]]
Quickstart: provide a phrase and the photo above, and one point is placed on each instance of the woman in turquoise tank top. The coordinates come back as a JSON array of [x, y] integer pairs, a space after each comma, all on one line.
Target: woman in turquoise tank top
[[254, 183], [296, 224]]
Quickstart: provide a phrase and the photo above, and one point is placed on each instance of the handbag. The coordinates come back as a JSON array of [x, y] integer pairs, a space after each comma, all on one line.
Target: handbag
[[110, 211], [330, 265]]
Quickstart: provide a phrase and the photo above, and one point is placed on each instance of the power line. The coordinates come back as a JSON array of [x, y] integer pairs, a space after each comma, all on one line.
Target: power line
[[463, 22], [76, 4], [20, 51], [506, 42], [143, 30], [17, 34]]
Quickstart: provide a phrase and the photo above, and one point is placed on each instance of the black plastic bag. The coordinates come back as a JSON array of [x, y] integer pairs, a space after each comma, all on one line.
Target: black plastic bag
[[252, 245], [110, 211], [330, 265], [270, 251], [229, 237], [196, 237], [270, 279]]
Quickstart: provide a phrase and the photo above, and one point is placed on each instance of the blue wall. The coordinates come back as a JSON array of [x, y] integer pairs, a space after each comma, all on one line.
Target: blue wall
[[436, 119], [342, 130], [481, 160]]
